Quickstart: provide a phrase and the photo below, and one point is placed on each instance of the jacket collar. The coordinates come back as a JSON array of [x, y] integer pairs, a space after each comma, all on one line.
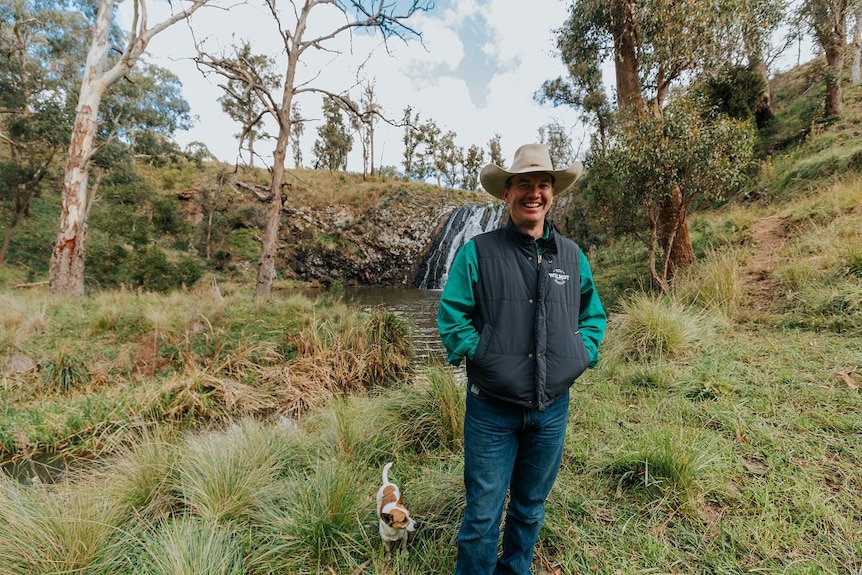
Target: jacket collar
[[521, 237]]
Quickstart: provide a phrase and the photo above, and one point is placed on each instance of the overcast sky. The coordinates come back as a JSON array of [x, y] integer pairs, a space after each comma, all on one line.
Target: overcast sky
[[475, 73]]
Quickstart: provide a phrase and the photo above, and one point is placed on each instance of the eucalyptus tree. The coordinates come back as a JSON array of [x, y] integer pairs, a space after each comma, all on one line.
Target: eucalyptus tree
[[448, 159], [828, 20], [290, 21], [238, 104], [334, 141], [495, 150], [757, 24], [297, 128], [412, 140], [429, 155], [105, 65], [474, 160], [653, 46], [856, 48], [144, 111], [704, 157], [41, 49], [555, 136], [363, 119]]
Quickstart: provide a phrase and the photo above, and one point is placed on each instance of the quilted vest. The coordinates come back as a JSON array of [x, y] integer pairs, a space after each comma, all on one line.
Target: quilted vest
[[527, 305]]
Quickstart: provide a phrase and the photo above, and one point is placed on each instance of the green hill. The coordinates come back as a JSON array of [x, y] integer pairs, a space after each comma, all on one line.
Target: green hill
[[719, 434]]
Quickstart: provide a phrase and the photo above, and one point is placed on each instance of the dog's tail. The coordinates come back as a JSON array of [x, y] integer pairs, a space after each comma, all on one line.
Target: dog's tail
[[386, 472]]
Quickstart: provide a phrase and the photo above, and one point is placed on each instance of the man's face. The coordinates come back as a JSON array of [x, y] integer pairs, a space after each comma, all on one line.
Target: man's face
[[529, 197]]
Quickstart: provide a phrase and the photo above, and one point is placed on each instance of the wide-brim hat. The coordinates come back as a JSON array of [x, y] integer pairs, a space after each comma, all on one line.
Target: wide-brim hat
[[529, 158]]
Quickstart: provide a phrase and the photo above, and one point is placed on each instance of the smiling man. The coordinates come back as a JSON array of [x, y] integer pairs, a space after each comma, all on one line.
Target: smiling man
[[520, 306]]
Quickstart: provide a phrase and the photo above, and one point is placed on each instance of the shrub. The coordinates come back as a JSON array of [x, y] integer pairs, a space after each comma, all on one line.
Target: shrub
[[151, 270]]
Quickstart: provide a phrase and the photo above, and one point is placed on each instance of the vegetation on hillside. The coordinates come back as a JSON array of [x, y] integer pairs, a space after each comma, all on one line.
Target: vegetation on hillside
[[204, 432]]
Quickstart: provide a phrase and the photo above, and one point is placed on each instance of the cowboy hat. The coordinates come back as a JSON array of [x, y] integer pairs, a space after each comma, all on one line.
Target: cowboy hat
[[529, 158]]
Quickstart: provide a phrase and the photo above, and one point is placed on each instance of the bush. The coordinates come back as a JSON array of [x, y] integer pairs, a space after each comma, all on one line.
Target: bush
[[151, 270]]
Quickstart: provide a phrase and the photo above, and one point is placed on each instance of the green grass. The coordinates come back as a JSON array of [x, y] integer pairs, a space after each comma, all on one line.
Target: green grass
[[209, 433], [710, 439]]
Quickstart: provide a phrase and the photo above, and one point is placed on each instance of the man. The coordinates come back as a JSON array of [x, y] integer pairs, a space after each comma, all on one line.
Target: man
[[520, 305]]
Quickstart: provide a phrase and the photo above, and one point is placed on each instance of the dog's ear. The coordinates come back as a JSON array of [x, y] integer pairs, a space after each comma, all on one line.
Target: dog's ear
[[387, 518]]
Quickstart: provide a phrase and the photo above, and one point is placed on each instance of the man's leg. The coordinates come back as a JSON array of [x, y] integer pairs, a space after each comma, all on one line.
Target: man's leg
[[535, 471], [490, 444]]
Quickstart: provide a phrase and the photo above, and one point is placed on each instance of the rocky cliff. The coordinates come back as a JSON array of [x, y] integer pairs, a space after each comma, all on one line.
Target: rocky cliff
[[365, 234]]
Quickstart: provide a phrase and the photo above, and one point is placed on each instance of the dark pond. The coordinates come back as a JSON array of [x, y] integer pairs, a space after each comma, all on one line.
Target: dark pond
[[417, 305]]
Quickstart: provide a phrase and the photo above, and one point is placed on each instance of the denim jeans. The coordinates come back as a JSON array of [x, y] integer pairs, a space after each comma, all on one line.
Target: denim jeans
[[507, 446]]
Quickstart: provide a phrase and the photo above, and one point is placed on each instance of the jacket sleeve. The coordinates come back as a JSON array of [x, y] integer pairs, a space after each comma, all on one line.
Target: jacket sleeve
[[592, 319], [455, 311]]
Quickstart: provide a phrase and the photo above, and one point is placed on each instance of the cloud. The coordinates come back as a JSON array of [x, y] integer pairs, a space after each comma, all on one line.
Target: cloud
[[475, 73]]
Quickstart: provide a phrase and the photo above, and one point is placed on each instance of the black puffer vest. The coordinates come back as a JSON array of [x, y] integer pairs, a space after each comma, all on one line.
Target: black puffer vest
[[530, 350]]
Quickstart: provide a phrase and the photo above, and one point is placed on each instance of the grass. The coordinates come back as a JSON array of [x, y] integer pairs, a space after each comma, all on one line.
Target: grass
[[209, 433], [692, 448]]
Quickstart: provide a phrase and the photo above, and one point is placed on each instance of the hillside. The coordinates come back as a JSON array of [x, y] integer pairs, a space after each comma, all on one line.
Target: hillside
[[720, 433]]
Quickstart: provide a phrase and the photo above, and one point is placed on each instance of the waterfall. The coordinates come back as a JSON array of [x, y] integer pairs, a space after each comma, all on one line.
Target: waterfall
[[463, 224]]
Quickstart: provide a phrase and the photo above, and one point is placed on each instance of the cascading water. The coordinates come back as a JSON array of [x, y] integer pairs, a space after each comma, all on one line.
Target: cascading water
[[463, 224]]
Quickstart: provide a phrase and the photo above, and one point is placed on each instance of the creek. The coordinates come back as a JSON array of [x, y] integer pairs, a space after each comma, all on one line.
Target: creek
[[417, 305]]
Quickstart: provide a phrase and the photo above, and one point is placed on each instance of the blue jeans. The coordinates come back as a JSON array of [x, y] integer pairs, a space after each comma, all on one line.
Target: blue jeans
[[514, 448]]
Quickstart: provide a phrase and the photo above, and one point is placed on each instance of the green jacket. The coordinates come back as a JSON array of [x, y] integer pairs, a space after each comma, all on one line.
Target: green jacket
[[459, 320]]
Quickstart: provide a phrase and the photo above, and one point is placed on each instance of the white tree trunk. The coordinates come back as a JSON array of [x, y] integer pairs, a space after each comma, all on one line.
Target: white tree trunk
[[66, 272], [856, 50]]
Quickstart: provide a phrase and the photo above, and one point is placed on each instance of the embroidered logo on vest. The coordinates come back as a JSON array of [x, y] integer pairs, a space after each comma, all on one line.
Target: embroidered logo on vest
[[559, 276]]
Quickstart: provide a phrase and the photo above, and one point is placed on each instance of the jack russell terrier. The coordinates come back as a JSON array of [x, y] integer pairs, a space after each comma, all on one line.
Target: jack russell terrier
[[395, 521]]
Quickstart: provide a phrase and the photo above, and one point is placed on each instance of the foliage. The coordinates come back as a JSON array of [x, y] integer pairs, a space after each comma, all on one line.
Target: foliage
[[701, 158], [239, 106], [148, 102], [559, 144], [654, 328], [474, 160], [734, 91], [187, 546], [150, 269], [334, 141], [41, 47]]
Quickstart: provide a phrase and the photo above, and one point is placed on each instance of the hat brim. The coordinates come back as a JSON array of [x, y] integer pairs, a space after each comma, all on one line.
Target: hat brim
[[493, 177]]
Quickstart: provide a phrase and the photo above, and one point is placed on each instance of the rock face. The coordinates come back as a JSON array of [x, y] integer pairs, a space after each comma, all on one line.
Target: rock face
[[362, 238], [378, 245], [383, 245]]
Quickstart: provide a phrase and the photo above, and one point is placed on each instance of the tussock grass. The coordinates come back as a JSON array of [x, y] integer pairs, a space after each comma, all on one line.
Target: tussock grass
[[77, 375], [428, 417], [651, 328], [344, 353], [667, 467], [54, 529], [716, 284], [231, 474], [316, 521], [187, 546], [143, 473]]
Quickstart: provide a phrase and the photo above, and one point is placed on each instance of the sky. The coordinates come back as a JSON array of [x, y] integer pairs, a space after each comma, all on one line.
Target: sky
[[475, 72]]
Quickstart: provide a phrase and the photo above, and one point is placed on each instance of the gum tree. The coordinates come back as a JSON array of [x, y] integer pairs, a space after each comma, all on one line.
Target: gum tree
[[41, 47], [102, 70], [702, 157], [290, 20], [653, 45], [828, 21]]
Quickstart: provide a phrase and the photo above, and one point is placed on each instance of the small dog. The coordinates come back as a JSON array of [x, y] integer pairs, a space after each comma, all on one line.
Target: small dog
[[395, 520]]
